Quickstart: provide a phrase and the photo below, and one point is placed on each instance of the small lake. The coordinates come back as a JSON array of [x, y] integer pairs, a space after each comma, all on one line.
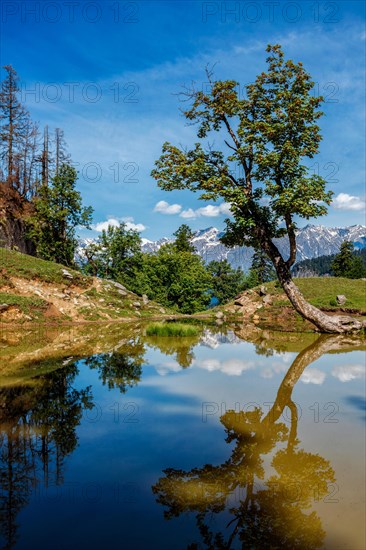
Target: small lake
[[112, 439]]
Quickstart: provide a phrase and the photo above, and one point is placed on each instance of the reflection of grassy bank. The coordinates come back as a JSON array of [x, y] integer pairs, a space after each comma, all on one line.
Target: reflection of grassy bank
[[171, 329], [26, 353]]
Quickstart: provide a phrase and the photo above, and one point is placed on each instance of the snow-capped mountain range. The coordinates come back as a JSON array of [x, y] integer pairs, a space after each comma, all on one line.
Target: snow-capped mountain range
[[312, 241]]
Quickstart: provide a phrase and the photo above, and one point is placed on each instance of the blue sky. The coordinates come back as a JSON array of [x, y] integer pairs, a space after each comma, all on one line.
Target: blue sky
[[108, 74]]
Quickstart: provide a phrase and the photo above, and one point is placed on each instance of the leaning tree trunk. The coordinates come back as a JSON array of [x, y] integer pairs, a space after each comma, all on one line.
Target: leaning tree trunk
[[337, 324], [324, 344]]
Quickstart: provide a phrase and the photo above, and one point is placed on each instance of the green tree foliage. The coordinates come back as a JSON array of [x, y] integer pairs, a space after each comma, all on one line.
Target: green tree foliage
[[227, 282], [117, 255], [347, 264], [58, 211], [261, 170], [261, 271], [183, 239], [178, 280], [321, 265]]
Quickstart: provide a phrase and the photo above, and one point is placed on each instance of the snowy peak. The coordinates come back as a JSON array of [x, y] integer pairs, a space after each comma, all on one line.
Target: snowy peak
[[312, 241]]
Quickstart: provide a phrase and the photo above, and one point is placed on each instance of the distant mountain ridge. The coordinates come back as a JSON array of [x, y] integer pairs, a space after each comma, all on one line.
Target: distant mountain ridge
[[312, 241]]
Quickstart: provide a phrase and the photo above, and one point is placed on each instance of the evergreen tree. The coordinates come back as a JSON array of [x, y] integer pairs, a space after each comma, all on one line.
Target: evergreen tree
[[183, 239], [347, 264], [58, 211], [261, 270], [227, 282]]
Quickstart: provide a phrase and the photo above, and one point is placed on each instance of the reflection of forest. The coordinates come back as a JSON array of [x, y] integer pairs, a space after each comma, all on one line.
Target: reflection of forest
[[37, 433], [256, 511], [38, 425]]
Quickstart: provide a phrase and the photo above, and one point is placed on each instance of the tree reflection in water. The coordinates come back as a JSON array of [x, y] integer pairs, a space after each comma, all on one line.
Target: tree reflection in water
[[253, 511], [38, 426], [120, 369]]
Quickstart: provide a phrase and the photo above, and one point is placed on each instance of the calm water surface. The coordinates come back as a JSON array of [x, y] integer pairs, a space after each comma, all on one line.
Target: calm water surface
[[206, 442]]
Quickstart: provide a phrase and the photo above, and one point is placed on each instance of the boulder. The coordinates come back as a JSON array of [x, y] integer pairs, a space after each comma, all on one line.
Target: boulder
[[341, 299], [118, 285], [219, 315], [67, 274], [267, 300], [262, 291], [145, 299], [136, 304]]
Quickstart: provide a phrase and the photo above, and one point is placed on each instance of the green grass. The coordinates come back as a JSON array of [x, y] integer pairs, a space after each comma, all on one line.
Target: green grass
[[322, 291], [171, 329], [27, 267], [28, 305]]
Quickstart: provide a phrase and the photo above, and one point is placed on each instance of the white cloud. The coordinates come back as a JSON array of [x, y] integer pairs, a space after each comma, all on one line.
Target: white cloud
[[103, 226], [188, 213], [345, 373], [165, 208], [209, 211], [114, 222], [130, 224], [231, 367], [313, 376], [344, 201], [167, 367]]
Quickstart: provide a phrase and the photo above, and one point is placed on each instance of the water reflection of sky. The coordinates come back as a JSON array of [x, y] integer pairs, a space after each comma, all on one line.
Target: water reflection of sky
[[171, 418]]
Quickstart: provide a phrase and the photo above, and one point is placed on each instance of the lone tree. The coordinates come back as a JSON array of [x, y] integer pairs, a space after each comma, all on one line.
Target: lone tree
[[259, 170]]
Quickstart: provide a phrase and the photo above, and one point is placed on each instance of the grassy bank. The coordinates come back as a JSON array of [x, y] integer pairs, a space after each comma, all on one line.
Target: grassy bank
[[37, 290]]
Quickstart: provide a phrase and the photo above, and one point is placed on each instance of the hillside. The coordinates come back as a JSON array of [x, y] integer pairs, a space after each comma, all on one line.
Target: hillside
[[36, 290], [269, 308]]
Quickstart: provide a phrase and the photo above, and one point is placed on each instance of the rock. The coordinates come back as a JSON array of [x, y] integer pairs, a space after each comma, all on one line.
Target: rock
[[341, 299], [118, 285], [122, 292], [219, 322], [145, 299], [262, 291], [4, 307], [38, 292], [136, 304], [219, 315], [101, 300], [162, 310], [267, 300], [67, 274]]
